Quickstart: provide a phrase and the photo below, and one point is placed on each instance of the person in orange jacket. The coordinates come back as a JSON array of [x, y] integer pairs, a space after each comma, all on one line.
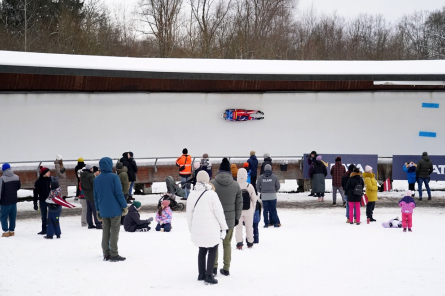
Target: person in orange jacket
[[184, 162]]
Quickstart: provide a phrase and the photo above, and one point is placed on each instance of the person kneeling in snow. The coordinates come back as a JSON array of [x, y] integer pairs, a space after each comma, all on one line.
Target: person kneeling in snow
[[55, 203], [164, 217], [133, 222]]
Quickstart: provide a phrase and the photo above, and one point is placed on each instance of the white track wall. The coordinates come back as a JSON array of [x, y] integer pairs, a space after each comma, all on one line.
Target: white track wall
[[37, 126]]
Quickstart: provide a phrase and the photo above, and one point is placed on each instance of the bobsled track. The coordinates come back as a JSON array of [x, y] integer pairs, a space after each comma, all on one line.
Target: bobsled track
[[36, 126]]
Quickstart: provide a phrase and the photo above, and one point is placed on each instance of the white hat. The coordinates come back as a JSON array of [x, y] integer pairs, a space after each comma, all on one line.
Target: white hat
[[368, 168], [58, 157]]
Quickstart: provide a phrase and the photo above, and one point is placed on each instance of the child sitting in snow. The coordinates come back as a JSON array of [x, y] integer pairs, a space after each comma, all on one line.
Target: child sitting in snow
[[407, 204], [410, 170], [164, 217], [133, 222]]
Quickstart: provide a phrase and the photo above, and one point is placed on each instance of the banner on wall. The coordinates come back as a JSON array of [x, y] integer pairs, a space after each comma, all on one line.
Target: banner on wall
[[359, 160], [398, 161]]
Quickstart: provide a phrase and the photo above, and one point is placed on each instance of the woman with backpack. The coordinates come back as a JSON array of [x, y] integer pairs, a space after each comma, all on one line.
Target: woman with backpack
[[207, 225], [354, 189], [249, 204]]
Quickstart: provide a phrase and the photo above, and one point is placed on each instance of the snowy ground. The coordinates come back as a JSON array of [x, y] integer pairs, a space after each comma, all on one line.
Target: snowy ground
[[314, 253]]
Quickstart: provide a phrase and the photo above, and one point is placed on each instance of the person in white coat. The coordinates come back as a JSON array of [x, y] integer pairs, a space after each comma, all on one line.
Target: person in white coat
[[249, 204], [207, 224]]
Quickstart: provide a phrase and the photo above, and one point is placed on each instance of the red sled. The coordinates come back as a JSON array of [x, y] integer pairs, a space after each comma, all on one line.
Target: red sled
[[364, 200]]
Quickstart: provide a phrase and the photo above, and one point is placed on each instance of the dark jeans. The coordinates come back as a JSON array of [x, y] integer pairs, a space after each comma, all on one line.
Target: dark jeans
[[412, 187], [43, 213], [256, 234], [253, 182], [8, 211], [91, 211], [210, 259], [426, 181], [270, 206], [369, 209], [167, 227], [53, 225]]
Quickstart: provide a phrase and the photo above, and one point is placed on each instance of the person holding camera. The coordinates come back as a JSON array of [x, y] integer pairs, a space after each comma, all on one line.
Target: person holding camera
[[184, 162], [410, 169]]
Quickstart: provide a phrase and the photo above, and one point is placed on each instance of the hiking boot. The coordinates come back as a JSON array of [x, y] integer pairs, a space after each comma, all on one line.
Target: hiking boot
[[239, 246], [11, 233], [201, 276], [277, 225], [347, 221], [5, 234], [373, 220], [404, 229], [368, 220], [334, 204], [41, 233], [420, 198], [409, 229], [117, 258], [106, 257], [91, 226], [250, 245], [224, 272], [355, 221], [99, 226], [351, 223], [48, 237], [215, 271], [429, 198], [210, 280]]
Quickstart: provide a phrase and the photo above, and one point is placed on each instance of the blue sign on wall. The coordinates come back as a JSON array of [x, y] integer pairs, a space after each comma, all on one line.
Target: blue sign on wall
[[398, 161], [359, 160]]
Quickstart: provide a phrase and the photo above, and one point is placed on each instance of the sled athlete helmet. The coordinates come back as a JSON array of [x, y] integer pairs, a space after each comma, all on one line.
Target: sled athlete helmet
[[222, 115]]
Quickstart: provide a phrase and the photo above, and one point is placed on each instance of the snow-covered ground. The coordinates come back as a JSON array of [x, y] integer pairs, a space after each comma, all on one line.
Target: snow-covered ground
[[314, 253]]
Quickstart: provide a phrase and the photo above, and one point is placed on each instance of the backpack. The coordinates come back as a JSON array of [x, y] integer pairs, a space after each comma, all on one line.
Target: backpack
[[246, 199], [358, 189]]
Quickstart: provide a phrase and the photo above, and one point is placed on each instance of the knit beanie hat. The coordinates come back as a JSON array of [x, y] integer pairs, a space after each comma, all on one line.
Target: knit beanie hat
[[58, 157], [319, 157], [205, 155], [95, 169], [131, 153], [119, 165], [125, 155], [368, 168], [357, 170], [351, 168], [166, 203], [338, 159], [185, 151], [267, 167], [43, 171], [252, 153], [80, 159], [246, 165], [408, 193], [266, 155], [203, 177], [54, 184], [88, 167], [137, 204], [5, 166], [196, 165], [425, 153], [225, 165], [234, 170]]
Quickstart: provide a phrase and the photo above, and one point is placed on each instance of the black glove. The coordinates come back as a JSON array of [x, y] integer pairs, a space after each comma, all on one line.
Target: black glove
[[236, 222], [36, 207]]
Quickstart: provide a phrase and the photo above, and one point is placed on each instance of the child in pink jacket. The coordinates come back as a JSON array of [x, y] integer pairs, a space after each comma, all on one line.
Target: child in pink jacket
[[407, 204], [164, 217]]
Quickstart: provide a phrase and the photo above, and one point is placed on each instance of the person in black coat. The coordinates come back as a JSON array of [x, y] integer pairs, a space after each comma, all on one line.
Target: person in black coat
[[129, 162], [42, 187], [133, 222], [318, 172], [253, 167], [80, 165], [267, 160], [354, 199], [344, 181]]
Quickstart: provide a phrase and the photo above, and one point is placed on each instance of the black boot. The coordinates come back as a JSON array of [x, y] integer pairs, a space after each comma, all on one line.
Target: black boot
[[215, 271], [48, 237], [201, 276], [311, 194], [41, 232], [117, 258], [249, 245], [372, 219], [210, 279], [224, 272]]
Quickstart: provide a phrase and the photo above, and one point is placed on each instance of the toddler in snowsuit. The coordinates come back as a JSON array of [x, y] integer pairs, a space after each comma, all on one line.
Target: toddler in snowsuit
[[410, 170], [407, 204], [164, 217], [393, 223], [256, 221], [54, 210]]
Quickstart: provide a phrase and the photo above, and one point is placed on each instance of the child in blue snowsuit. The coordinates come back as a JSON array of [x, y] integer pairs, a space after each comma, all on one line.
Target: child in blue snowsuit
[[256, 221], [410, 170], [54, 210]]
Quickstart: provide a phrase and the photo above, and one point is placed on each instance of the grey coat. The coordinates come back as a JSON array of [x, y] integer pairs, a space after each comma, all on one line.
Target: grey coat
[[318, 183], [229, 194], [61, 177], [268, 185], [87, 183]]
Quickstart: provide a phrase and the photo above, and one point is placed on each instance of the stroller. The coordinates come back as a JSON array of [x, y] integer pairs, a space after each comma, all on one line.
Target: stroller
[[173, 190]]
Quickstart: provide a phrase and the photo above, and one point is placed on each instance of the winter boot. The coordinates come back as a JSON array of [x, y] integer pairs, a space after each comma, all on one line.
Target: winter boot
[[48, 237], [210, 279], [5, 234], [311, 194], [239, 246], [224, 272], [347, 221], [420, 199], [117, 258], [368, 220], [358, 223], [91, 226], [429, 198], [334, 204], [277, 225], [11, 233], [41, 233], [404, 229], [344, 204], [215, 271], [201, 276], [355, 221], [373, 220], [106, 257], [409, 229], [250, 245]]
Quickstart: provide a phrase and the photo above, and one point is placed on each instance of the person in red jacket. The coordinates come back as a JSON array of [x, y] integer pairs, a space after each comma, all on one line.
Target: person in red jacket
[[184, 162]]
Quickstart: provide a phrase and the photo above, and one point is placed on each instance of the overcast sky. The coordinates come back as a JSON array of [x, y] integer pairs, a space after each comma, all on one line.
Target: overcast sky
[[392, 10]]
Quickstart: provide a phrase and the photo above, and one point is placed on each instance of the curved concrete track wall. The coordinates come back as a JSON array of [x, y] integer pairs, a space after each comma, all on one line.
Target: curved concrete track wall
[[37, 126]]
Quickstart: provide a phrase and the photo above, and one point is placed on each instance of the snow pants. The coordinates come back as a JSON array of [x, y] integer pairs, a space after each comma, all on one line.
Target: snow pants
[[8, 212], [110, 235], [83, 216], [210, 259], [247, 218], [53, 225], [227, 250], [355, 205], [407, 220], [334, 193]]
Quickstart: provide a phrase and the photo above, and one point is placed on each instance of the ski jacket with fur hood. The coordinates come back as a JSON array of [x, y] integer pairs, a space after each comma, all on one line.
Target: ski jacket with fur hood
[[371, 186]]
